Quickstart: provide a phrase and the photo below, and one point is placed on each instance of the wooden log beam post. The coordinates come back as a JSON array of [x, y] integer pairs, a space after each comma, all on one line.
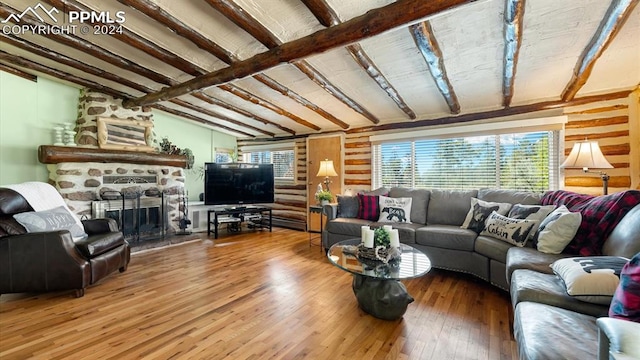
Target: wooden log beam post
[[370, 24], [617, 13], [322, 11], [198, 119], [430, 50], [513, 17], [18, 72]]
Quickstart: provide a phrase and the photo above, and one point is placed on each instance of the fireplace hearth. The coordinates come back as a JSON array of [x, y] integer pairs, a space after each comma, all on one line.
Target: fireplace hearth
[[139, 218]]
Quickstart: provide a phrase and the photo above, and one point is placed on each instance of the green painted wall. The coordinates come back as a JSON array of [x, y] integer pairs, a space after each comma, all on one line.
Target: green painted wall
[[200, 140], [29, 111]]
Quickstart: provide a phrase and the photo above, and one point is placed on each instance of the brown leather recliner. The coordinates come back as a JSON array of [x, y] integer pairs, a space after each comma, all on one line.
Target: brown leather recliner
[[52, 261]]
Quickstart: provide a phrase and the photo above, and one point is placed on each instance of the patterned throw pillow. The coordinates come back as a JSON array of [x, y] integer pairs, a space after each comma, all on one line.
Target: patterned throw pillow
[[51, 220], [480, 211], [531, 212], [514, 231], [395, 209], [369, 209], [557, 230], [348, 206], [590, 278], [626, 300]]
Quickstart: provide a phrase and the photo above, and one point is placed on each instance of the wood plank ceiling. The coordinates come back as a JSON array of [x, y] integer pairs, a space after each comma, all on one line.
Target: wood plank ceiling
[[277, 68]]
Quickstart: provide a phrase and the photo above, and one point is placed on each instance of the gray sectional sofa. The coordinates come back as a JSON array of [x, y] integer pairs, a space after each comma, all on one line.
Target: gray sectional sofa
[[436, 217], [548, 323]]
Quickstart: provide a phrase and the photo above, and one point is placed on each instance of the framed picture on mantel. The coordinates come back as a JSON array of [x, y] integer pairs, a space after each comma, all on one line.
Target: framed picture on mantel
[[123, 134]]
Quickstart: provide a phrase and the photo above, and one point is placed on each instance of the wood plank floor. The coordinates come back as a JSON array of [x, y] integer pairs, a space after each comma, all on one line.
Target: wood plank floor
[[254, 295]]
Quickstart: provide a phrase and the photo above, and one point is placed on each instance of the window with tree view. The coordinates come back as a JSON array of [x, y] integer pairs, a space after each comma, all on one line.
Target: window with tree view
[[525, 161], [283, 162]]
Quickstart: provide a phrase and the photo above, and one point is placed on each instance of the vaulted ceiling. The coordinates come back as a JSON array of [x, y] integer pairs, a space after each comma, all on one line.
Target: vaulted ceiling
[[273, 68]]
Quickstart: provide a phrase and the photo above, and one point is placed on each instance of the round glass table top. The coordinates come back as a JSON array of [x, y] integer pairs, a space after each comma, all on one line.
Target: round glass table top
[[412, 262]]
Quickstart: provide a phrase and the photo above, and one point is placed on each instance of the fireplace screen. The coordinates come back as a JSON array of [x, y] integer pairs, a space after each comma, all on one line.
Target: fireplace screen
[[138, 218]]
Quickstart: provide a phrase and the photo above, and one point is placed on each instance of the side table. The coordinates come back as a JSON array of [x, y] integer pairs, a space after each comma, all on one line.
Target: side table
[[316, 209]]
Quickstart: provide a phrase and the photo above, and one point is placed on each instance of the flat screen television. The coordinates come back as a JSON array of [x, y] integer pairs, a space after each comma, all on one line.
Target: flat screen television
[[238, 183]]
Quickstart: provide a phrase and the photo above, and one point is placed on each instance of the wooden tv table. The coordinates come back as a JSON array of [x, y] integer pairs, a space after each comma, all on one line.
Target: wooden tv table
[[227, 214]]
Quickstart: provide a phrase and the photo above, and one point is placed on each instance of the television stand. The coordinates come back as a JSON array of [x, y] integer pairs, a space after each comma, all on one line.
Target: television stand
[[242, 213]]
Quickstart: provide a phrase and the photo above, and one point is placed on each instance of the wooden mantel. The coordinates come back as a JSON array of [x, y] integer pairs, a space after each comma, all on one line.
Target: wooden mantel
[[48, 154]]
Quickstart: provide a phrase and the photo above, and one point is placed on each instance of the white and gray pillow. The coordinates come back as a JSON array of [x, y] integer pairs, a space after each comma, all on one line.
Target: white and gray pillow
[[395, 209], [557, 230], [58, 218], [591, 278]]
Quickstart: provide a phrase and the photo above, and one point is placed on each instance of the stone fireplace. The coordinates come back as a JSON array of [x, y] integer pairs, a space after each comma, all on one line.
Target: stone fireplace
[[139, 189]]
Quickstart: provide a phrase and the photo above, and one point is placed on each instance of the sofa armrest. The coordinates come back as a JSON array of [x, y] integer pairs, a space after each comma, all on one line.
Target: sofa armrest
[[100, 226], [618, 339], [331, 211]]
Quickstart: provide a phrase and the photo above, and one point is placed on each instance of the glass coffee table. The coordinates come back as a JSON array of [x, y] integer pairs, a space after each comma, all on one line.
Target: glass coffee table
[[377, 285]]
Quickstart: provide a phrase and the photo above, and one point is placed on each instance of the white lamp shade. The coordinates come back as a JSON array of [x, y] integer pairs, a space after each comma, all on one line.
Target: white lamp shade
[[586, 155], [326, 168]]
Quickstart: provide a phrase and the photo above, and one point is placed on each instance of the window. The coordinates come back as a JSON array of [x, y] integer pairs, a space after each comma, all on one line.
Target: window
[[283, 161], [521, 161], [225, 155]]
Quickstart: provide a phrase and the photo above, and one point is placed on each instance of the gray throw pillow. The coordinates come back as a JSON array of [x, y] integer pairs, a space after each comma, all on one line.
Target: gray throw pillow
[[348, 206], [51, 220]]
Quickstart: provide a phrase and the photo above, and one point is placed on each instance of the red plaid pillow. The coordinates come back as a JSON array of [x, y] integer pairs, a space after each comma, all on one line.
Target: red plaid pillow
[[369, 208], [626, 300]]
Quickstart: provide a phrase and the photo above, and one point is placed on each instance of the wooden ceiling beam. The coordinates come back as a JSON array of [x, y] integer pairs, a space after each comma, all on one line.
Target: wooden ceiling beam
[[317, 77], [615, 17], [89, 48], [245, 95], [18, 72], [65, 60], [513, 17], [213, 114], [271, 83], [428, 45], [136, 41], [245, 21], [515, 110], [323, 12], [215, 101], [155, 12], [370, 24], [372, 70], [198, 119]]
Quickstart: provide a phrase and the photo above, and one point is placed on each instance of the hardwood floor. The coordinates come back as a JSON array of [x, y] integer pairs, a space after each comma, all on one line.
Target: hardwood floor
[[253, 295]]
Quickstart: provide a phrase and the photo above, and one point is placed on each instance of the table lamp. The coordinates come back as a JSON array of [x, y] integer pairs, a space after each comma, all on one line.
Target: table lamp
[[326, 170]]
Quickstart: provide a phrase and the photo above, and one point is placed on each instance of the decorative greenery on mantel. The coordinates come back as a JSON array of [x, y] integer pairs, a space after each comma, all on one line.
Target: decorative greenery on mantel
[[167, 147]]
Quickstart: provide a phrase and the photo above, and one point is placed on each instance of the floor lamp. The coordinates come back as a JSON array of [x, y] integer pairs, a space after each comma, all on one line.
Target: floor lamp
[[326, 170], [587, 155]]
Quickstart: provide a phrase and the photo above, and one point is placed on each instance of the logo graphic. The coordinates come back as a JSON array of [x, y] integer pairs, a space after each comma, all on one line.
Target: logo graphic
[[32, 10]]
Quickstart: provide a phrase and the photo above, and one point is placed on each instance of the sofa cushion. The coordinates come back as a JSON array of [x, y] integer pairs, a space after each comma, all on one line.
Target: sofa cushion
[[419, 203], [348, 206], [346, 226], [406, 231], [529, 285], [480, 211], [624, 240], [58, 218], [446, 236], [512, 231], [394, 209], [600, 215], [557, 230], [369, 208], [547, 332], [590, 278], [626, 300], [492, 248], [530, 258], [509, 196], [449, 207]]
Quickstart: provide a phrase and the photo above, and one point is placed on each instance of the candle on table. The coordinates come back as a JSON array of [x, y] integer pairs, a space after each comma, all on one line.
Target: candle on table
[[363, 230], [368, 239], [394, 238], [387, 227]]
